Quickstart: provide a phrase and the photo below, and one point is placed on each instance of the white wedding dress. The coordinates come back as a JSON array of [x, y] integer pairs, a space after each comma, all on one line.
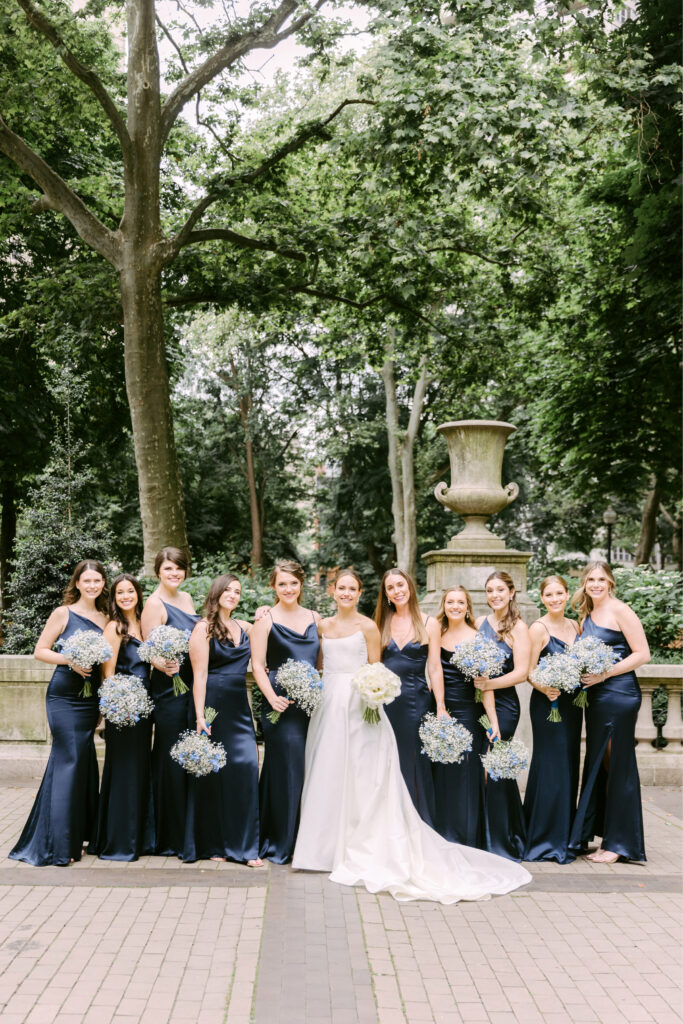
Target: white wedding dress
[[357, 819]]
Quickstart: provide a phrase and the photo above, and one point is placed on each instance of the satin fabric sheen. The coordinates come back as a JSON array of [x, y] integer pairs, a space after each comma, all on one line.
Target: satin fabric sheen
[[357, 818], [459, 788], [64, 814], [171, 717], [610, 804], [553, 786], [125, 820], [504, 817], [222, 808], [405, 714], [282, 775]]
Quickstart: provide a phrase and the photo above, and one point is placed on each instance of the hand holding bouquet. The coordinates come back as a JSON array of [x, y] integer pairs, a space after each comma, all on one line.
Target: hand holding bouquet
[[196, 753], [376, 685], [302, 684], [557, 672], [505, 759], [124, 700], [85, 648], [594, 658], [479, 657], [169, 644], [444, 740]]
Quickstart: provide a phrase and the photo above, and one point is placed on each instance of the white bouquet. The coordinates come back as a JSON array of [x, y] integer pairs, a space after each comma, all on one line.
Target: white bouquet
[[197, 754], [594, 657], [302, 684], [479, 657], [124, 700], [169, 644], [444, 740], [85, 648], [505, 759], [376, 685], [557, 672]]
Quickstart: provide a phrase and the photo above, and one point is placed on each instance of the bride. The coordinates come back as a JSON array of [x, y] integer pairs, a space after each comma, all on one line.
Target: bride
[[357, 818]]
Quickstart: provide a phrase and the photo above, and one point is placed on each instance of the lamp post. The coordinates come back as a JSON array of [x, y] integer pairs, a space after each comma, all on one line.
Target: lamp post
[[609, 518]]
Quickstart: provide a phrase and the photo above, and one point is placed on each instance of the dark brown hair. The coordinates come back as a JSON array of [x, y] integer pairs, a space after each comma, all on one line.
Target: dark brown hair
[[293, 568], [72, 593], [177, 556], [581, 601], [384, 609], [441, 616], [347, 572], [549, 579], [512, 615], [115, 613], [211, 609]]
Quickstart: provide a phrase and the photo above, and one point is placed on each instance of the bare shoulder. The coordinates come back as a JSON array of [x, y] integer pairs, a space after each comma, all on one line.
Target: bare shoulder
[[537, 628], [186, 602], [520, 629], [479, 621], [324, 624], [243, 624], [110, 631], [59, 617], [432, 626], [368, 626], [624, 614], [201, 630]]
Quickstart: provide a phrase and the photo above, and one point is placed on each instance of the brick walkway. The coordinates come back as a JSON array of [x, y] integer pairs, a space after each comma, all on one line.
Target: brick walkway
[[159, 942]]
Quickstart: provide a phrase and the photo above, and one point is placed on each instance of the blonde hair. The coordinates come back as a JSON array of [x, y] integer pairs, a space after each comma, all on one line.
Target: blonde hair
[[441, 616], [557, 579], [347, 572], [293, 568], [512, 615], [384, 610], [581, 602]]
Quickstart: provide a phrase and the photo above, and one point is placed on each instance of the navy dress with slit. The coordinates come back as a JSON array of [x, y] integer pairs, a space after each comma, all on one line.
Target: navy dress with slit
[[552, 789], [504, 814], [610, 804], [222, 808], [282, 775], [64, 813]]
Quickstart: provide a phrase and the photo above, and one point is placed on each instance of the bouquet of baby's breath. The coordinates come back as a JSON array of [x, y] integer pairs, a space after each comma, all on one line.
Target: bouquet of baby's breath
[[302, 684], [376, 685], [444, 740], [479, 657], [85, 648], [124, 700], [505, 759], [594, 657], [170, 644], [557, 672], [196, 753]]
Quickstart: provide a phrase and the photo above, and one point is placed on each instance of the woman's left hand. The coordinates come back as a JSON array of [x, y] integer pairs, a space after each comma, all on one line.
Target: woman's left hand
[[442, 713], [483, 683], [203, 727], [590, 679]]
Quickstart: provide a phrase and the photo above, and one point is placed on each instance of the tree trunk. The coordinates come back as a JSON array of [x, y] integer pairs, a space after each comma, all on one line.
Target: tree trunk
[[254, 512], [676, 536], [648, 524], [394, 460], [8, 531], [161, 500]]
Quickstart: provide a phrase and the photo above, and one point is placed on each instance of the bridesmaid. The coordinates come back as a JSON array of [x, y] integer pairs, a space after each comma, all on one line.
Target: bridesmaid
[[550, 799], [222, 808], [459, 788], [125, 824], [504, 817], [411, 643], [169, 606], [285, 631], [64, 813], [609, 805]]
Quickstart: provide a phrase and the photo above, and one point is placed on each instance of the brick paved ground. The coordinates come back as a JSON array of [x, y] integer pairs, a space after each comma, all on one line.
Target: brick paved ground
[[159, 942]]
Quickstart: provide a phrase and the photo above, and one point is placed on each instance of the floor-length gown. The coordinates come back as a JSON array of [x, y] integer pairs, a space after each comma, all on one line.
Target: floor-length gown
[[222, 808], [550, 798], [504, 817], [459, 788], [125, 820], [405, 715], [171, 716], [64, 813], [282, 775], [610, 804], [357, 818]]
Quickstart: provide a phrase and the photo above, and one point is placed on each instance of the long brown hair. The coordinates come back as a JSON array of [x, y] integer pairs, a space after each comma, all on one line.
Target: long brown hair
[[293, 568], [581, 602], [512, 615], [211, 609], [115, 613], [72, 593], [441, 616], [384, 610], [176, 555]]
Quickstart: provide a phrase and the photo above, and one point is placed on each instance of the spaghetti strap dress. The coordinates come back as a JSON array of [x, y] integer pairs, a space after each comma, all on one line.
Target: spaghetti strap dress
[[405, 714], [171, 717], [504, 814], [222, 808], [64, 813], [125, 821], [553, 786], [610, 804], [282, 775]]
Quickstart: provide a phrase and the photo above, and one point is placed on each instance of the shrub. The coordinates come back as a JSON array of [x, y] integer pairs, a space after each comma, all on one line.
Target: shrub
[[656, 599]]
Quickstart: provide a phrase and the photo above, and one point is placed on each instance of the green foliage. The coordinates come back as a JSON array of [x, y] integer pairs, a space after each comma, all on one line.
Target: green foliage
[[657, 599]]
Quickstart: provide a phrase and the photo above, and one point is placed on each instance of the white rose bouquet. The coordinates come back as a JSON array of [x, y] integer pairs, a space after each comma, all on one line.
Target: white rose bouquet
[[376, 685]]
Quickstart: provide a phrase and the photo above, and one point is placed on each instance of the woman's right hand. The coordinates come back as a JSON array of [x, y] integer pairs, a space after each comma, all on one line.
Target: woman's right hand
[[551, 692], [169, 668], [280, 703], [202, 726], [83, 672]]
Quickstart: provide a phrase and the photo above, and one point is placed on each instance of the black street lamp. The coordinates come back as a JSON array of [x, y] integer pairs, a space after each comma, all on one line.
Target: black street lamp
[[609, 518]]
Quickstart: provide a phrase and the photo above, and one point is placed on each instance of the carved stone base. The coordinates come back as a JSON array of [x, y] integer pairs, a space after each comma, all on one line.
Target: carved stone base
[[470, 568]]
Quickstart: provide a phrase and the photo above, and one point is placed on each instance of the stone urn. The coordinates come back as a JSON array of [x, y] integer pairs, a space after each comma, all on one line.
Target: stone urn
[[476, 451]]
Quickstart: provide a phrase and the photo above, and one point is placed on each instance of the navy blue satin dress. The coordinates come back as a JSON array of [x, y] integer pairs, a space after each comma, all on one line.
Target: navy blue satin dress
[[125, 821], [222, 808], [405, 714], [282, 775], [553, 786], [504, 817], [64, 814], [610, 805], [171, 717], [459, 788]]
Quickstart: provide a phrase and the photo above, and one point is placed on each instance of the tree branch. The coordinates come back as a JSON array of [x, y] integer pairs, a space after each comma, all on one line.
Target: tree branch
[[244, 241], [86, 75], [58, 196]]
